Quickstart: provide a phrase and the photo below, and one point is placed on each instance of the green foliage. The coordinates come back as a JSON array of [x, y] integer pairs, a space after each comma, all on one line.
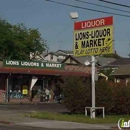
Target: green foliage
[[77, 94], [121, 99], [114, 55], [104, 95], [16, 41], [80, 118], [107, 72], [115, 97]]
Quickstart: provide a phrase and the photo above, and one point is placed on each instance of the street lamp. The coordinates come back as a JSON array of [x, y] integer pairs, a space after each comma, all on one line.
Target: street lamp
[[74, 15]]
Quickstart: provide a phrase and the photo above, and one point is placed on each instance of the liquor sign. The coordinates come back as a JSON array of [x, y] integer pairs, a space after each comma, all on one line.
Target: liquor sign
[[32, 64], [93, 37]]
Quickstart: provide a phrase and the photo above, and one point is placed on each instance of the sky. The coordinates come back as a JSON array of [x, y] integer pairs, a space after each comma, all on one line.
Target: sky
[[55, 25]]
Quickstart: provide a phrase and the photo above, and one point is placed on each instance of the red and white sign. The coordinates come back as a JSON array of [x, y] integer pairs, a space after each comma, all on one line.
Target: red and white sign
[[93, 37], [93, 23]]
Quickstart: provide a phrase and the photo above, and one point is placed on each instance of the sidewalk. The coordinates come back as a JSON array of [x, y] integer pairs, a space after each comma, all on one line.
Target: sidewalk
[[17, 118], [67, 125]]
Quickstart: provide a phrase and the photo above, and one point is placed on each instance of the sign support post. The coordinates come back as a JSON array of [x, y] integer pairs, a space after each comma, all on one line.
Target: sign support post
[[93, 86], [93, 37], [7, 89]]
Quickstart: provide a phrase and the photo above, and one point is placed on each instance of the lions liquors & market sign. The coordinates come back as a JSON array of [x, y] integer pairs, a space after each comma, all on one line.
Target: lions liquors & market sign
[[32, 64]]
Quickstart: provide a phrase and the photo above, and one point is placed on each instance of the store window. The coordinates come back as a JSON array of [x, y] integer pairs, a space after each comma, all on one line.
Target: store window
[[19, 87]]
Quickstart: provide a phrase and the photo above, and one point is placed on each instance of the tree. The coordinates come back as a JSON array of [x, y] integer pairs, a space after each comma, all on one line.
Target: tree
[[77, 93], [6, 37], [107, 72], [114, 55], [17, 41], [129, 55]]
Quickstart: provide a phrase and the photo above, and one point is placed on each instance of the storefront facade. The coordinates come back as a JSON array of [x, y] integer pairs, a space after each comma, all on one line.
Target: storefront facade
[[21, 79]]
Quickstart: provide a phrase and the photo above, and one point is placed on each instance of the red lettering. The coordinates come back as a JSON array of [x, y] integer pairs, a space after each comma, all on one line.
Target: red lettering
[[93, 23]]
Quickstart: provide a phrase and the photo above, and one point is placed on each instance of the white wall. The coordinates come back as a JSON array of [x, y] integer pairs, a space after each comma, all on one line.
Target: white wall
[[64, 53], [48, 58], [61, 57], [61, 52]]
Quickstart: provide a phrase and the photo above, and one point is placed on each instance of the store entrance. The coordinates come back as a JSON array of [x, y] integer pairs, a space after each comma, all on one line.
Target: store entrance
[[38, 90]]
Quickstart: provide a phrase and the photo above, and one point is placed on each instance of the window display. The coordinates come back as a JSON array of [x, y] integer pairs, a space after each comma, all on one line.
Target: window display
[[18, 87]]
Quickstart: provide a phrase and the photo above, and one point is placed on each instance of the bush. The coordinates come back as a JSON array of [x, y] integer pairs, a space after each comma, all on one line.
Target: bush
[[104, 96], [115, 97], [77, 94], [121, 100]]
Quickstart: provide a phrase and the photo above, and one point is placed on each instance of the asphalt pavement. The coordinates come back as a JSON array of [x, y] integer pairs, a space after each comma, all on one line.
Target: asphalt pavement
[[12, 118], [16, 127]]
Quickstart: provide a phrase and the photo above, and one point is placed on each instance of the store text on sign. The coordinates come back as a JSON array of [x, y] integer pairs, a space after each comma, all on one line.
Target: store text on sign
[[95, 23], [93, 37], [32, 64]]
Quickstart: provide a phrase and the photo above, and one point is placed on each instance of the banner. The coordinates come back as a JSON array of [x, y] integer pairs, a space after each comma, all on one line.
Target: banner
[[33, 81]]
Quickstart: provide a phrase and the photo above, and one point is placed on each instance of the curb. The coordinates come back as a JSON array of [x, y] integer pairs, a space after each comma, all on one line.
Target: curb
[[6, 122]]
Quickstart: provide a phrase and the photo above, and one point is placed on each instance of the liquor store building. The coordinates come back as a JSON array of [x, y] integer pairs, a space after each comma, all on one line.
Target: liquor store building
[[19, 78]]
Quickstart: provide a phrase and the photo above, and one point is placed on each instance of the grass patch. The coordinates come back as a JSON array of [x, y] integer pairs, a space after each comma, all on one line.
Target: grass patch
[[78, 117]]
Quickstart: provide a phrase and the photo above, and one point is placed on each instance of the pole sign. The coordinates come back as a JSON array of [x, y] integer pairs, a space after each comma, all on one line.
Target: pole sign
[[93, 37], [32, 64]]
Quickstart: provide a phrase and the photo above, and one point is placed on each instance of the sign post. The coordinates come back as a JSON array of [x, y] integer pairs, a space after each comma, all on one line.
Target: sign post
[[93, 85], [91, 38]]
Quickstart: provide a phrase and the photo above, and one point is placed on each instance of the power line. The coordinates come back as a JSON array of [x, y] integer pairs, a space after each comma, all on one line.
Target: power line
[[80, 7], [61, 32], [114, 3], [102, 6]]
